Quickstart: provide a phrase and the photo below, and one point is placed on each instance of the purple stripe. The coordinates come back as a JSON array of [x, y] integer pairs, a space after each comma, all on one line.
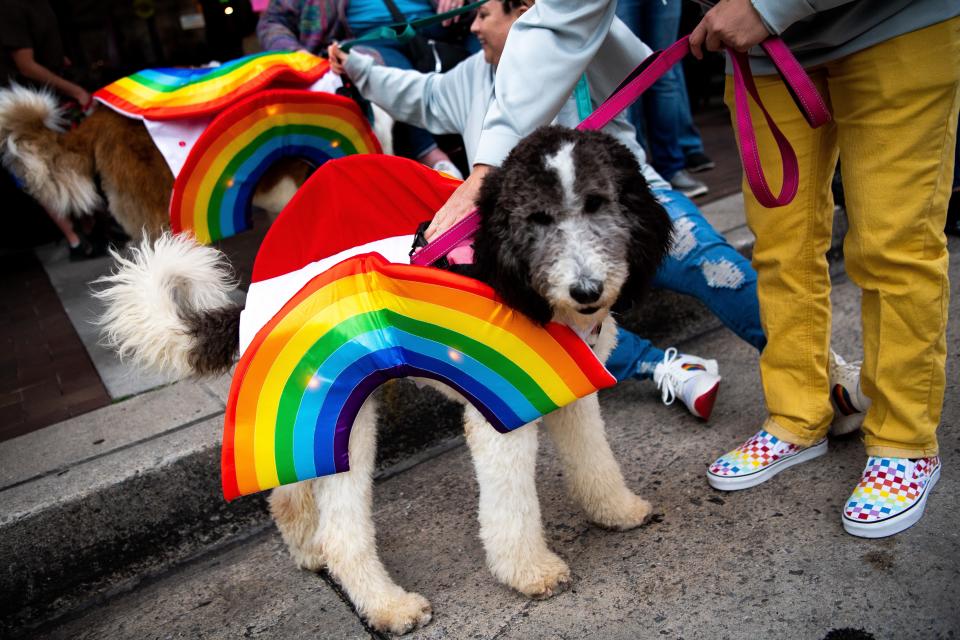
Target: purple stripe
[[350, 409]]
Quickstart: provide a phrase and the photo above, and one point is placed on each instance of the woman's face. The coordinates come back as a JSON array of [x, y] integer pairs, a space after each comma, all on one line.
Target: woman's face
[[491, 26]]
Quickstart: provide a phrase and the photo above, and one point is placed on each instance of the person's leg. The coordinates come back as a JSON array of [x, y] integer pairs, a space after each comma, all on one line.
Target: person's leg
[[633, 357], [793, 281], [701, 263], [691, 145], [793, 287], [659, 23], [897, 130], [895, 104], [953, 208], [629, 11], [689, 139], [66, 228]]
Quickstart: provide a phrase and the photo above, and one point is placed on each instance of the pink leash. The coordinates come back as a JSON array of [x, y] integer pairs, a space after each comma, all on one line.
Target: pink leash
[[650, 70]]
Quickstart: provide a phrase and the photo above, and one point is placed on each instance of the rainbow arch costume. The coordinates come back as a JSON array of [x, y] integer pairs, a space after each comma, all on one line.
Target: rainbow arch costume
[[221, 128], [335, 309]]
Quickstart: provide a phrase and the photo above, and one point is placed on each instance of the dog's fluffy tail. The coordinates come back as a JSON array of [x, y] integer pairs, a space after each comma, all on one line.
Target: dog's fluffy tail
[[169, 307], [32, 147]]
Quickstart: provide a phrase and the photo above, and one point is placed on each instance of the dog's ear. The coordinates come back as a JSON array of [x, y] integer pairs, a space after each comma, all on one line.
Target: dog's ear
[[650, 226], [498, 261]]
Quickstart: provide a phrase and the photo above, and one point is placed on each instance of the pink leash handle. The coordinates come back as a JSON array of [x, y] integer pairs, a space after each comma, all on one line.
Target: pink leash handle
[[464, 229], [802, 89]]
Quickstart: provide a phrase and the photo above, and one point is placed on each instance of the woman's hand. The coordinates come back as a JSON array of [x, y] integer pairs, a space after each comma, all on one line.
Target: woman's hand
[[460, 203], [448, 5], [83, 98], [731, 23], [337, 57]]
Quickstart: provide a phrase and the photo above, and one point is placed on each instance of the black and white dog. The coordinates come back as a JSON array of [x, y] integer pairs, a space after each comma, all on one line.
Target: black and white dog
[[569, 228]]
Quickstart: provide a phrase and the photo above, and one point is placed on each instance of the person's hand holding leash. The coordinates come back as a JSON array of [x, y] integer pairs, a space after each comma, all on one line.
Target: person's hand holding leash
[[731, 23], [461, 203], [337, 57]]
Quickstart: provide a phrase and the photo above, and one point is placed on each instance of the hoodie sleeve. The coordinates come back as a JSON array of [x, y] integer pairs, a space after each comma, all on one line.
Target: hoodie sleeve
[[436, 102], [546, 52]]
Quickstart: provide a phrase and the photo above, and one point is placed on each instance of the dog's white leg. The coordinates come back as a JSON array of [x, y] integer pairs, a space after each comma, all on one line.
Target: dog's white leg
[[510, 526], [345, 533], [592, 474], [295, 512]]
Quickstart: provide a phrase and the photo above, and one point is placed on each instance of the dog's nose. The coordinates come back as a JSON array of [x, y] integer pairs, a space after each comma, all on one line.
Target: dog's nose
[[586, 292]]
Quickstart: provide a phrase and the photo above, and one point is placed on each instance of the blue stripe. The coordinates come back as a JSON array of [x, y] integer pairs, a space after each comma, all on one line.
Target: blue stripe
[[358, 358], [235, 207]]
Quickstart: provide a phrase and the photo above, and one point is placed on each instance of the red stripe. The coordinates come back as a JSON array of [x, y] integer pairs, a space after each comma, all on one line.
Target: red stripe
[[211, 137], [364, 198], [276, 72]]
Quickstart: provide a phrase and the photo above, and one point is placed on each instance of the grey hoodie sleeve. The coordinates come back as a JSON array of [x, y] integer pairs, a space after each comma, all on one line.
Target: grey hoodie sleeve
[[432, 101], [546, 52]]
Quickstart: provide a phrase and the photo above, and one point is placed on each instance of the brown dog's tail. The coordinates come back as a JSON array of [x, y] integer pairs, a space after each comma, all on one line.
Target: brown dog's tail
[[57, 175], [168, 307]]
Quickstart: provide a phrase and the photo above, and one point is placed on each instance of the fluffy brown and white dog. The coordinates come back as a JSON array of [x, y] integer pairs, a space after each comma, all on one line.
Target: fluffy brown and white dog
[[569, 228], [62, 170]]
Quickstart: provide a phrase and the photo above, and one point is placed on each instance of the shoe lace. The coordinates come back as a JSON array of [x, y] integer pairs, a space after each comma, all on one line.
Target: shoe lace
[[668, 384]]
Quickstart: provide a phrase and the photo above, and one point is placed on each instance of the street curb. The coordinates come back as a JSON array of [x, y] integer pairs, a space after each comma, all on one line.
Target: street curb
[[89, 524]]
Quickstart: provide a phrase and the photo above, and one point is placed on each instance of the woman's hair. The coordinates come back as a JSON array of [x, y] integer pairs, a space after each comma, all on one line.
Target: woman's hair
[[509, 6]]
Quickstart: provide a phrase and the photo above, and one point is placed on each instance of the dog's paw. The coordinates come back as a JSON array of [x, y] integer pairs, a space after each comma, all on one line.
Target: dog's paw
[[541, 579], [401, 614], [627, 512]]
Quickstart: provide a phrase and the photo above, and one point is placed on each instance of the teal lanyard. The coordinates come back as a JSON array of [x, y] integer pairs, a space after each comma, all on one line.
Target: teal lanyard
[[582, 95]]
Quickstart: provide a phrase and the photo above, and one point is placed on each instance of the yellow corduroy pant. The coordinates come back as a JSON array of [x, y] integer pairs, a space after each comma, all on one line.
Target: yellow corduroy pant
[[895, 109]]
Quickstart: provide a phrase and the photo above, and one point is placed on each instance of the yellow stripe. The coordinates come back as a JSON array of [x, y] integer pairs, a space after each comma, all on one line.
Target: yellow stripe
[[202, 91], [316, 316], [240, 136]]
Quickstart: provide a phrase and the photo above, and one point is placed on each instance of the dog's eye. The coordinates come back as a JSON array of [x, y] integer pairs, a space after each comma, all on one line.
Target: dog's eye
[[540, 217], [593, 202]]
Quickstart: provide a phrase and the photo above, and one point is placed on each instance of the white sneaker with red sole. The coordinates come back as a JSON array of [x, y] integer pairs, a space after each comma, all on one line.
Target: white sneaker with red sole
[[694, 380], [849, 403]]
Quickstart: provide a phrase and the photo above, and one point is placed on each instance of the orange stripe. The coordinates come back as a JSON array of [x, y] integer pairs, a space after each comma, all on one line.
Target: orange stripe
[[211, 144], [189, 104], [449, 290], [244, 405]]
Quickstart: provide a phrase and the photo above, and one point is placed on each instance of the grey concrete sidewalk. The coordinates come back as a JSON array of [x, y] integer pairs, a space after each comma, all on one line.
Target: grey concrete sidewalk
[[771, 562]]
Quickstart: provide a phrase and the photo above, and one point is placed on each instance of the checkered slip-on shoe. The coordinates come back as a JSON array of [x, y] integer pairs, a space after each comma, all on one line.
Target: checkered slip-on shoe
[[757, 460], [891, 496]]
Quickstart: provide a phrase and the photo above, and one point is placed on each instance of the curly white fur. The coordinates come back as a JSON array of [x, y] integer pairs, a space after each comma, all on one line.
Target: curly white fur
[[336, 529], [50, 175], [147, 293]]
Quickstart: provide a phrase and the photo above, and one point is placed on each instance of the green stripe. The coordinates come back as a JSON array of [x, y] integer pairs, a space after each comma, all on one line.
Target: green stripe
[[211, 75], [220, 190], [492, 359], [317, 354], [296, 385]]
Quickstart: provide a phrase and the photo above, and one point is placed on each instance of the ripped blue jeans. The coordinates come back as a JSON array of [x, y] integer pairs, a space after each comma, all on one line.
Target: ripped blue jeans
[[702, 264]]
